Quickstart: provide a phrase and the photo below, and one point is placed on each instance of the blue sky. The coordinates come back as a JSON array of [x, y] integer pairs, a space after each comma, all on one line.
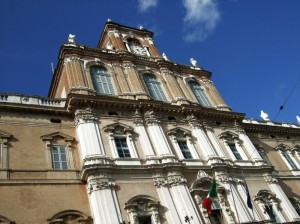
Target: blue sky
[[251, 47]]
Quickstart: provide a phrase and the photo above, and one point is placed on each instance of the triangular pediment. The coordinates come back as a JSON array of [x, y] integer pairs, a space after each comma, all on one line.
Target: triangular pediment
[[228, 135], [118, 128], [4, 134], [56, 135], [179, 132]]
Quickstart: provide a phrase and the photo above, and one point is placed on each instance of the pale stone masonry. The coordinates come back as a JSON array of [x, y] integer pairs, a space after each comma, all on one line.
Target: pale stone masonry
[[126, 135]]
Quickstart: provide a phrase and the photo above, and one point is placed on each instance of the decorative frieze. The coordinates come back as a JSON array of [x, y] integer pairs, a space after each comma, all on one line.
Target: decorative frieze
[[71, 59]]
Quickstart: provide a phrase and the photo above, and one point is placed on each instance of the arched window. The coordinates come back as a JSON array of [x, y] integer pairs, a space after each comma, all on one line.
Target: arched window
[[154, 88], [270, 206], [70, 217], [287, 154], [101, 80], [143, 209], [200, 94], [220, 212], [182, 143]]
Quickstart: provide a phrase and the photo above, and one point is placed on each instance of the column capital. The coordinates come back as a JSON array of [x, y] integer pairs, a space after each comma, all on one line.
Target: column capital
[[100, 182], [85, 116], [151, 118], [269, 179]]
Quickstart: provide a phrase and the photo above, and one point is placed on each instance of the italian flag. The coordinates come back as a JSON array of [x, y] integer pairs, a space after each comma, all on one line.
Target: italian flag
[[212, 193]]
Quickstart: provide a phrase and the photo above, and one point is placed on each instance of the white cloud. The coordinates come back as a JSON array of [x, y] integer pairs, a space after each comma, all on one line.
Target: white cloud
[[201, 19], [144, 5]]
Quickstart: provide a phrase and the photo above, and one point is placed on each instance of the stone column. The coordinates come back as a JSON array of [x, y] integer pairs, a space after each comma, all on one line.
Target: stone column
[[103, 199], [134, 82], [203, 141], [91, 146], [248, 145], [214, 140], [152, 48], [220, 103], [175, 91], [237, 204], [182, 198], [147, 147], [286, 205], [158, 138], [166, 199]]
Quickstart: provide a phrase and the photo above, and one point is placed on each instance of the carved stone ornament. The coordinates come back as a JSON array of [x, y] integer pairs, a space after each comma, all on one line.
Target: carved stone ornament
[[137, 118], [201, 174], [71, 59], [100, 184], [128, 65], [151, 118], [207, 81], [160, 182], [269, 179], [85, 116], [176, 180]]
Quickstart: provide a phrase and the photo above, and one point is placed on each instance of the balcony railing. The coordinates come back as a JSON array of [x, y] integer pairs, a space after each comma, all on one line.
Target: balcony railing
[[31, 100]]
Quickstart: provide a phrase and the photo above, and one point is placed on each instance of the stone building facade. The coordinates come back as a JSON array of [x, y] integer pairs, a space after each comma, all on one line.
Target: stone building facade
[[127, 136]]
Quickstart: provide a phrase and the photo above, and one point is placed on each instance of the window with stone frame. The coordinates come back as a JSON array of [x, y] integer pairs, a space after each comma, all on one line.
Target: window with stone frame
[[121, 141], [4, 146], [262, 154], [70, 217], [59, 157], [184, 147], [59, 151], [199, 93], [143, 209], [221, 212], [287, 154], [154, 87], [233, 145], [102, 80], [270, 206]]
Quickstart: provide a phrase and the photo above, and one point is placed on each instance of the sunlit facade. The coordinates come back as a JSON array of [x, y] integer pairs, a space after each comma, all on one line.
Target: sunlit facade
[[127, 136]]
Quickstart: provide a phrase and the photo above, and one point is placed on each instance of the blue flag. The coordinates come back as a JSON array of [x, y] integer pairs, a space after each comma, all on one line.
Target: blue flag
[[249, 203]]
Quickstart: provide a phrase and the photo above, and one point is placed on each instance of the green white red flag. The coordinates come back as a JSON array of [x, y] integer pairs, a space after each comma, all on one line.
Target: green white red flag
[[207, 202]]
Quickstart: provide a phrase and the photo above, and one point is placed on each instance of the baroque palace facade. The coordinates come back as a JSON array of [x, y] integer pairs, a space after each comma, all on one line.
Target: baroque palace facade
[[127, 136]]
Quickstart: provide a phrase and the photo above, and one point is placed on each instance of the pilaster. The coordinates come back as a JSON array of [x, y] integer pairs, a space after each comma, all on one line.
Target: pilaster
[[103, 199], [203, 141], [286, 205], [87, 129], [158, 138]]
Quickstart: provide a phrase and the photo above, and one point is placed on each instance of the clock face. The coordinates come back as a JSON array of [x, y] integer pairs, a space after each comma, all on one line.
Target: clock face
[[138, 49]]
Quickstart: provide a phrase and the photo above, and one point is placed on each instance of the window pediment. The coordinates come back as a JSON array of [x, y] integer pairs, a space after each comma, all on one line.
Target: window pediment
[[50, 137], [118, 129], [265, 196], [4, 134], [228, 135], [179, 132], [283, 147], [70, 217]]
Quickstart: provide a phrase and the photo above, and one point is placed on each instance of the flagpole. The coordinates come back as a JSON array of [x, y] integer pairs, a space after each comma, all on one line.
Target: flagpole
[[236, 212], [253, 217]]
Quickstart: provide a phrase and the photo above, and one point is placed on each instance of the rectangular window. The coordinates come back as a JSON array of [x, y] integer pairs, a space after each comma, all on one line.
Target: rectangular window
[[235, 151], [59, 158], [289, 160], [184, 149], [122, 147]]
